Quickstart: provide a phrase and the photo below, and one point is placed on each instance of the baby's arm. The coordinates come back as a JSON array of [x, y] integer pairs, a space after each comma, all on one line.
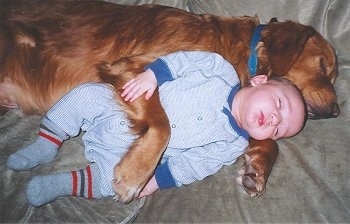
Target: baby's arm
[[176, 65], [194, 164]]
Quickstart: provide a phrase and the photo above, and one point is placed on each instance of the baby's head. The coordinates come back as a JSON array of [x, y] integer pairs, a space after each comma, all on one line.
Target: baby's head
[[271, 108]]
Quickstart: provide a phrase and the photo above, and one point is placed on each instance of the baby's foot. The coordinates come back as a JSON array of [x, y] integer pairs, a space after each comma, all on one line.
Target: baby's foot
[[40, 152], [83, 183], [44, 189]]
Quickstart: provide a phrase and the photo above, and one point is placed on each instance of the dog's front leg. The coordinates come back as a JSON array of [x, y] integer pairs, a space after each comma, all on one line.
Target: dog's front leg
[[138, 164], [149, 123], [259, 159]]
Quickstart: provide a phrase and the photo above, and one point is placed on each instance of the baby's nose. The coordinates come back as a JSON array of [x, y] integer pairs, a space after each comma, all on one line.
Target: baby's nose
[[275, 119]]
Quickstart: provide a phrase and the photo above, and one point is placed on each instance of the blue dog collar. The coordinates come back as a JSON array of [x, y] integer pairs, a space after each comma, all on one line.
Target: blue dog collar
[[253, 57]]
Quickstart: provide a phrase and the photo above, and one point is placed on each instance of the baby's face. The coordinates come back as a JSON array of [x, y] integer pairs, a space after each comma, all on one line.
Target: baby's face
[[272, 110]]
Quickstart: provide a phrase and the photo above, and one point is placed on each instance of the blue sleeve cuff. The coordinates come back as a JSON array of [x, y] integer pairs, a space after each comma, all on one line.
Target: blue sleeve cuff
[[164, 177], [161, 71]]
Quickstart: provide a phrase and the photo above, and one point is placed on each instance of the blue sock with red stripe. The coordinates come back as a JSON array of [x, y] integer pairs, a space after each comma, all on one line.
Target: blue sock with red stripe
[[43, 150], [82, 183]]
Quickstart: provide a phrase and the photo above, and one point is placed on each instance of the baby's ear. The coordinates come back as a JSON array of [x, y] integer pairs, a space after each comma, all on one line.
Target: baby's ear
[[258, 80]]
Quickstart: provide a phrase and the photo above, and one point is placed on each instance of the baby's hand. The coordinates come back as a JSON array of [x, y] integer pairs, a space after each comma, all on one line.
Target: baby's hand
[[145, 82], [150, 188]]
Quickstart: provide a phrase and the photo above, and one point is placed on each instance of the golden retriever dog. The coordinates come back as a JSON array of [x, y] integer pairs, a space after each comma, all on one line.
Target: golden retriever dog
[[48, 47]]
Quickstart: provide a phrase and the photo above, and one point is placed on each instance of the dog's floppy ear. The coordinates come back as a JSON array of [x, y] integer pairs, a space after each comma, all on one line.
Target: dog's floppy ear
[[284, 41]]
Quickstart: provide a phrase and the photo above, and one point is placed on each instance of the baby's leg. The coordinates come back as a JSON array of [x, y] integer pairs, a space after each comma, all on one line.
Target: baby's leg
[[82, 183], [78, 107], [43, 150]]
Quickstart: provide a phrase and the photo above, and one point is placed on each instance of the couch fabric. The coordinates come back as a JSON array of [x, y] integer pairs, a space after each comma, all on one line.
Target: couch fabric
[[310, 182]]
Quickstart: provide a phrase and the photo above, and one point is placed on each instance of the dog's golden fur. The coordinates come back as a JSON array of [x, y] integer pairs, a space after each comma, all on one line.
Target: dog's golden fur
[[48, 47]]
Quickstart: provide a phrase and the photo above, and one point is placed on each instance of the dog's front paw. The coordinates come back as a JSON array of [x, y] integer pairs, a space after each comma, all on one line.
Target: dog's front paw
[[125, 193], [251, 178], [259, 159], [129, 181]]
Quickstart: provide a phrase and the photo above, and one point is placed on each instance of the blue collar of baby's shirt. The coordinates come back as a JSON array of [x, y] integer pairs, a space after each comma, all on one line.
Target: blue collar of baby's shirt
[[232, 120], [232, 94]]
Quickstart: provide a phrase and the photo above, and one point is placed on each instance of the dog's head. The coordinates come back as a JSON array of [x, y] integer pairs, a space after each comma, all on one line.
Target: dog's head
[[300, 54]]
